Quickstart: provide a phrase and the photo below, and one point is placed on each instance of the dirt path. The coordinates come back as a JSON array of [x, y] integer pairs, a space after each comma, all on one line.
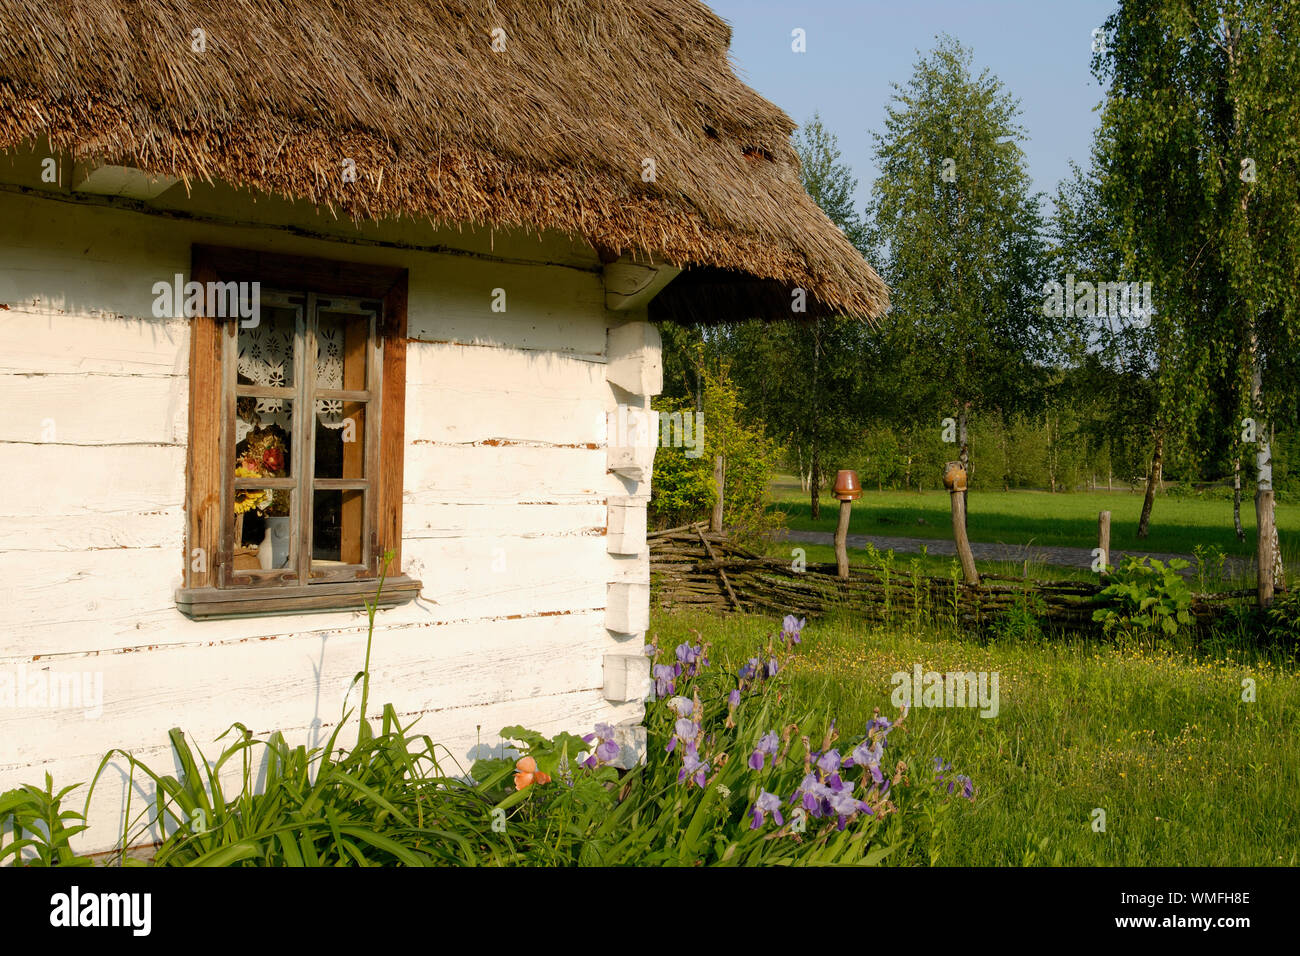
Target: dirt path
[[1018, 553]]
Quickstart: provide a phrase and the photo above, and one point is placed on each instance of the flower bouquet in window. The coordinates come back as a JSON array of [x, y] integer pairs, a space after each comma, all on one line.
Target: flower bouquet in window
[[262, 454]]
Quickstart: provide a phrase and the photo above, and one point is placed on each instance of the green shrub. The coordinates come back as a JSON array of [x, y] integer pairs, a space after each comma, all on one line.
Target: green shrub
[[1147, 599], [684, 489], [1282, 619], [1023, 620]]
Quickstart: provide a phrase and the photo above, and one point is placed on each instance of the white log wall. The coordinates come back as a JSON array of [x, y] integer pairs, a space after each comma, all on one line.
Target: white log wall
[[505, 506]]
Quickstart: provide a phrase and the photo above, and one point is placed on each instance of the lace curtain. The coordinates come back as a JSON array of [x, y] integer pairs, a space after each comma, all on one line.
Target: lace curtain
[[265, 358]]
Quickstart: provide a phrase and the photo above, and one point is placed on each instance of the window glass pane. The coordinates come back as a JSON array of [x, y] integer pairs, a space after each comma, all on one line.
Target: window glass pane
[[263, 437], [262, 532], [266, 350], [341, 350], [340, 439], [337, 527]]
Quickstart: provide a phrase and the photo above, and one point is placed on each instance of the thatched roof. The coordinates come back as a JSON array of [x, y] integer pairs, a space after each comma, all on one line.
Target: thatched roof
[[550, 133]]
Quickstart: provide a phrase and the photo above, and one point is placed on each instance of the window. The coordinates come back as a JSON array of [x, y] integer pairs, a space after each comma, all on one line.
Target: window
[[294, 474]]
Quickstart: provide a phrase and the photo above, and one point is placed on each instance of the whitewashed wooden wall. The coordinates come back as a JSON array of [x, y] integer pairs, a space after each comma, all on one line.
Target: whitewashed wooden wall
[[505, 508]]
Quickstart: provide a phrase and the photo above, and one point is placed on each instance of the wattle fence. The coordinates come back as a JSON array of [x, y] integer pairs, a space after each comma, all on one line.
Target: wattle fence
[[691, 567]]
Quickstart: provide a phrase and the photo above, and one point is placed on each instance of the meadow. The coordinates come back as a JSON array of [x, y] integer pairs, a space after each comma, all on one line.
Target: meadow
[[1068, 519], [1186, 772]]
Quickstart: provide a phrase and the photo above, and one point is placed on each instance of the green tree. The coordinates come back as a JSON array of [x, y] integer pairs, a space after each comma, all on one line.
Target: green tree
[[1201, 165], [804, 379], [956, 231]]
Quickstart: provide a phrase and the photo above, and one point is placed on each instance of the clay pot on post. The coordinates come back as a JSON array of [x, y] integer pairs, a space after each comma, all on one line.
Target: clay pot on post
[[954, 479], [847, 490]]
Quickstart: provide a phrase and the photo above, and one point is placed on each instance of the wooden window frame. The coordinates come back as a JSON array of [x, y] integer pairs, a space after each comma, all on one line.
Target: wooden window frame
[[212, 588]]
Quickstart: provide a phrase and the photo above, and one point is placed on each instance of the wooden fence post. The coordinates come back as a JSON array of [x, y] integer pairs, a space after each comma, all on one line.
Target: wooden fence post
[[847, 490], [954, 479], [842, 540]]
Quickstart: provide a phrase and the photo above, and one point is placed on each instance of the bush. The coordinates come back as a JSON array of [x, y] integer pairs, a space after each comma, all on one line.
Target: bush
[[1023, 621], [1148, 599], [683, 488]]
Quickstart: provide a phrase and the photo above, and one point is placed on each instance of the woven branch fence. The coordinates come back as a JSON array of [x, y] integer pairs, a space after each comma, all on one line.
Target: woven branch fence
[[691, 567]]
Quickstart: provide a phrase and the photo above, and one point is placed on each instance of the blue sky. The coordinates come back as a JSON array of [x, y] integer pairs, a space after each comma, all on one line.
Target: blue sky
[[1039, 49]]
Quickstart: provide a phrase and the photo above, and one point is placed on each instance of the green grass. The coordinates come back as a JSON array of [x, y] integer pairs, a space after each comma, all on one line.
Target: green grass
[[933, 565], [1036, 517], [1187, 773]]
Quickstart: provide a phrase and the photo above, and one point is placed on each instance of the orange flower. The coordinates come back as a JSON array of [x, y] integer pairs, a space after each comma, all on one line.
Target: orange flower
[[527, 774]]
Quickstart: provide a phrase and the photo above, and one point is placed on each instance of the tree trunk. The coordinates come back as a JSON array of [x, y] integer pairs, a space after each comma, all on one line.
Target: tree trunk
[[719, 482], [1236, 498], [1153, 479], [815, 484], [1267, 530], [1271, 573], [1279, 570], [814, 414], [1006, 461], [963, 413]]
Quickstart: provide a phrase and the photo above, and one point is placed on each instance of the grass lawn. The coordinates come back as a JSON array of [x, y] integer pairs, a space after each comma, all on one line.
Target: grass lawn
[[1038, 517], [1187, 773], [936, 565]]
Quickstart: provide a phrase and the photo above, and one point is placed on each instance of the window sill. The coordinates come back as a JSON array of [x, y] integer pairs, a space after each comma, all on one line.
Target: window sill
[[205, 603]]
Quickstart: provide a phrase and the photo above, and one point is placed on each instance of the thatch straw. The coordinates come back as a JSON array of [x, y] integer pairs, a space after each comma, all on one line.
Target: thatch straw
[[549, 134]]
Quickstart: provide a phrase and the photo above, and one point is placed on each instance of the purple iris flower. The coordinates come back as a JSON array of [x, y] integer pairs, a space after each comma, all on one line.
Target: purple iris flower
[[690, 658], [867, 754], [665, 682], [650, 650], [607, 750], [749, 671], [810, 794], [882, 724], [765, 804], [862, 755], [771, 668], [733, 699], [790, 628], [681, 706], [967, 786], [845, 806], [767, 746], [829, 762], [692, 766]]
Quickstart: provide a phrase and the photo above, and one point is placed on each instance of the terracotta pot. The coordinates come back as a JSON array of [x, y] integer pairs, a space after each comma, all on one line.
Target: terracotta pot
[[954, 476], [846, 486]]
